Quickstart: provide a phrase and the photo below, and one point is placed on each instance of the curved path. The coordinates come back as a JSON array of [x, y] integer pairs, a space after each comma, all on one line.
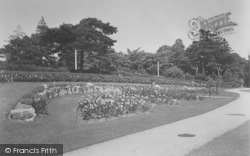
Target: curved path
[[164, 140]]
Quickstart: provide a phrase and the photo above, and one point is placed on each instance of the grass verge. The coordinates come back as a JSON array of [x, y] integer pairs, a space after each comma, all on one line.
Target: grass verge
[[232, 143]]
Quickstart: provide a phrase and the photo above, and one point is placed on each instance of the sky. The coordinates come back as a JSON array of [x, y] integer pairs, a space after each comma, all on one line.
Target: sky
[[147, 24]]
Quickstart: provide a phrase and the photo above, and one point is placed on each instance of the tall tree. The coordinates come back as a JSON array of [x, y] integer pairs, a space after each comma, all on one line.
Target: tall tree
[[121, 61], [137, 58], [46, 48], [23, 51], [177, 53], [41, 26], [17, 33], [208, 52], [90, 38], [164, 49]]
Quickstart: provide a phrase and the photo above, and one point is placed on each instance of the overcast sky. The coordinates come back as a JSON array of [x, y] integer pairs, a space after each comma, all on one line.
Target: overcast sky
[[147, 24]]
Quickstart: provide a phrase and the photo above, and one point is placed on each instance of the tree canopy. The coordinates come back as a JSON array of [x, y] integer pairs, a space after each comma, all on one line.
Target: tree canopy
[[90, 37], [54, 47]]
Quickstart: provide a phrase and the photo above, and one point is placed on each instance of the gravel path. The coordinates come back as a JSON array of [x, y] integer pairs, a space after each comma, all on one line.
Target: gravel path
[[165, 140]]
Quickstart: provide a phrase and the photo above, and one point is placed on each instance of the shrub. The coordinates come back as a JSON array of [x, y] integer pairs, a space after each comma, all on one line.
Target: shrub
[[232, 84], [211, 82], [201, 77], [20, 67], [188, 76], [173, 72], [228, 77], [40, 105], [201, 98]]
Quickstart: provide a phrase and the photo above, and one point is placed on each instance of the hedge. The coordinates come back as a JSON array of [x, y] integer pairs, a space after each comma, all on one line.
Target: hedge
[[18, 76]]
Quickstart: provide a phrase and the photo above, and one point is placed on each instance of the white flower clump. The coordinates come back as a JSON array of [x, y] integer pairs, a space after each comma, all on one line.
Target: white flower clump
[[89, 84]]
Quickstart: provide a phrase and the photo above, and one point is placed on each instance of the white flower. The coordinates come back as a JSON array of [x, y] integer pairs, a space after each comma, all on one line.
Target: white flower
[[89, 84]]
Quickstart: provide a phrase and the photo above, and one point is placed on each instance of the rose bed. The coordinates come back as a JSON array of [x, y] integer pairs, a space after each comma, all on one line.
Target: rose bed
[[100, 102]]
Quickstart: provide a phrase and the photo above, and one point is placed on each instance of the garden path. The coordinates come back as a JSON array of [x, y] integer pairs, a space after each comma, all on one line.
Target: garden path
[[165, 140]]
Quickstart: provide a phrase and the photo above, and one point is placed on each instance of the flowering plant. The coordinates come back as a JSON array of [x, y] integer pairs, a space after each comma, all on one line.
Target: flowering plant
[[113, 101]]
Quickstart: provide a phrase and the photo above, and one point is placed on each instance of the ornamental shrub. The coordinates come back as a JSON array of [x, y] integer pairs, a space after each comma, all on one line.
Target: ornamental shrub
[[20, 67], [40, 106], [173, 72], [188, 76], [201, 77]]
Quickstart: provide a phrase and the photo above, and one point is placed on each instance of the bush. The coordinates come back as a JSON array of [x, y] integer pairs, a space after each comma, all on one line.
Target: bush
[[201, 77], [20, 67], [230, 84], [40, 106], [188, 76], [201, 98], [130, 73], [211, 82], [173, 72], [228, 77]]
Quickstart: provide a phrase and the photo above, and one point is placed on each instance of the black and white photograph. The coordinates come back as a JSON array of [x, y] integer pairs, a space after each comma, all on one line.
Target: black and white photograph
[[124, 77]]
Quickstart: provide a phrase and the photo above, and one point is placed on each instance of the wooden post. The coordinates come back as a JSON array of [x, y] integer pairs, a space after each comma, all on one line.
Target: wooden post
[[75, 59], [158, 69]]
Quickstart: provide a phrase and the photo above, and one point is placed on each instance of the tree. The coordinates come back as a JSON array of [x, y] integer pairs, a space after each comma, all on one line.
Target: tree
[[137, 58], [174, 55], [178, 46], [45, 48], [42, 26], [18, 33], [120, 61], [23, 51], [177, 56], [164, 49], [208, 52], [90, 38]]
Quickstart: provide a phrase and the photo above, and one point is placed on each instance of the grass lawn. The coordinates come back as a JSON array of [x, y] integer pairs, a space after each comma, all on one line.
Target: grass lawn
[[232, 143], [60, 125]]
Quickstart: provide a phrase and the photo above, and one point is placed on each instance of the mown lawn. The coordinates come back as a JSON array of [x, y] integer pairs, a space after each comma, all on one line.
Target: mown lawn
[[232, 143], [60, 125]]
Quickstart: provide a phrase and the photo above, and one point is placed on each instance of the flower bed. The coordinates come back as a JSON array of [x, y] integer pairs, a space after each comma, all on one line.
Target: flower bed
[[104, 101], [110, 102], [22, 76]]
